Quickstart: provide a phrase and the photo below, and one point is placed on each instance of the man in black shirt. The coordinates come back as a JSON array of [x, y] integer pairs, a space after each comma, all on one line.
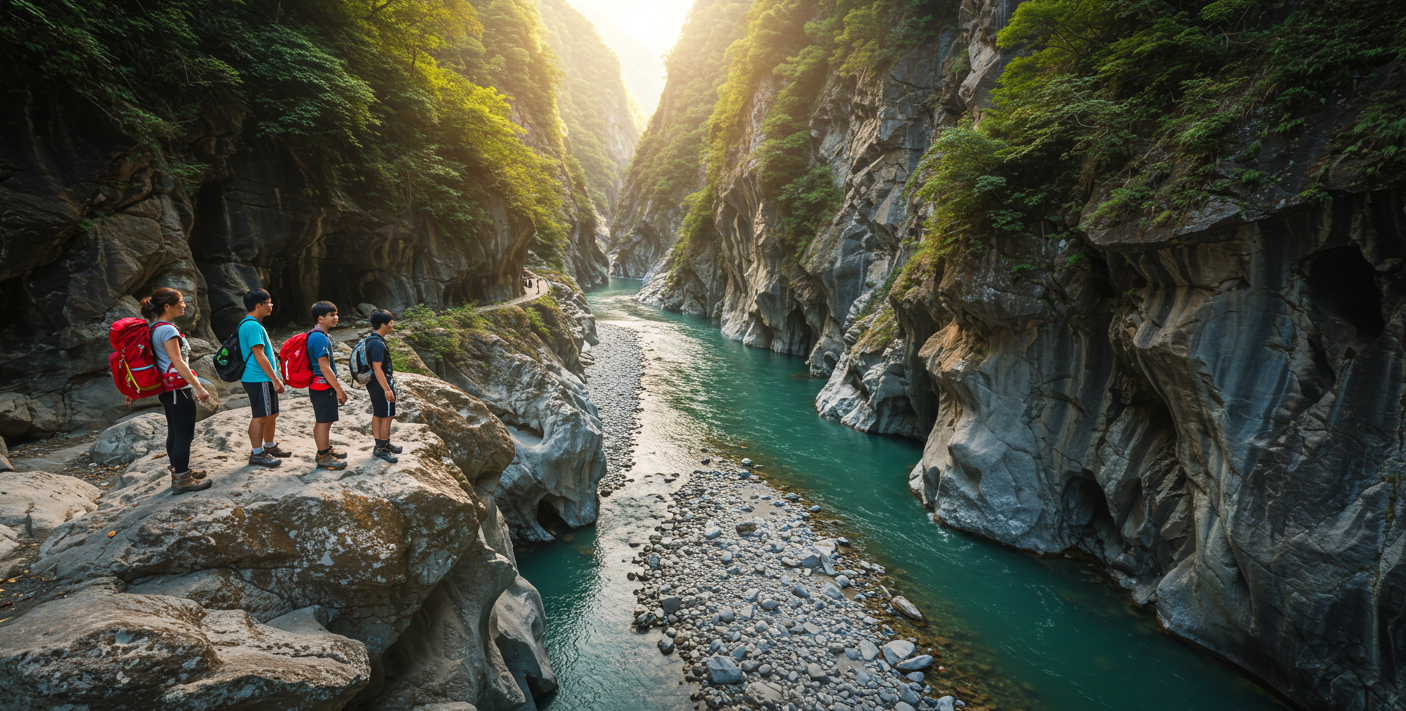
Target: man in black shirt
[[382, 386]]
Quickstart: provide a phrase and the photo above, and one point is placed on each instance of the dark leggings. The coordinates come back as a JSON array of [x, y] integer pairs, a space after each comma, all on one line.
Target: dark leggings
[[180, 426]]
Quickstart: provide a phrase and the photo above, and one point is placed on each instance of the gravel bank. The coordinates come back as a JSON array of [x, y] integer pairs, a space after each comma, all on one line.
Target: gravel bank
[[767, 613], [614, 384]]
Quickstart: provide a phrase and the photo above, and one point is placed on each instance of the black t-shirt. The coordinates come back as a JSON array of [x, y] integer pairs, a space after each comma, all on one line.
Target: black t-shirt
[[376, 353]]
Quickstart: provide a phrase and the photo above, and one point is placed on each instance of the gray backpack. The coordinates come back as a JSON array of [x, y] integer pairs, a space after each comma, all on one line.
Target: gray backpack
[[360, 367]]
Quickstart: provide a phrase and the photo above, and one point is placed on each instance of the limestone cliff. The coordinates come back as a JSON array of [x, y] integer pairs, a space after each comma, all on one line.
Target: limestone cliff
[[527, 363], [1206, 400], [668, 163]]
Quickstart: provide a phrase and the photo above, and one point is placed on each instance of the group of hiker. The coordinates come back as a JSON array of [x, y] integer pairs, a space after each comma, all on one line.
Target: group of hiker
[[307, 361]]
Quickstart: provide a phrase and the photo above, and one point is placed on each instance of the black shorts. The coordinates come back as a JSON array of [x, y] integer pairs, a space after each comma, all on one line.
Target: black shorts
[[379, 406], [262, 399], [324, 405]]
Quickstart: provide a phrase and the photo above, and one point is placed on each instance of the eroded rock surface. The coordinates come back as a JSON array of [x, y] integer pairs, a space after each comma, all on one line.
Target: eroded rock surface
[[536, 388], [103, 649], [370, 550]]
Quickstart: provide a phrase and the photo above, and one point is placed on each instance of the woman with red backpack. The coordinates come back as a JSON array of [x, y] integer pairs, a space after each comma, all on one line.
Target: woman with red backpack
[[181, 389]]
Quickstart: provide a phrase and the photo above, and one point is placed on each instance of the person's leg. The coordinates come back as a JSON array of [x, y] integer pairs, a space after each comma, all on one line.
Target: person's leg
[[168, 403], [182, 429], [322, 435], [256, 434], [270, 438]]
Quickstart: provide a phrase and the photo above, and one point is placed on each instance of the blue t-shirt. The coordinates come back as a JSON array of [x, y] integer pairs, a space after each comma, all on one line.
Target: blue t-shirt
[[320, 346], [252, 333]]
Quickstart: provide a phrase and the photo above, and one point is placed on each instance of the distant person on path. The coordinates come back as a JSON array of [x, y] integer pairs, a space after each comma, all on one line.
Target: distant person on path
[[326, 391], [260, 380], [382, 386], [172, 353]]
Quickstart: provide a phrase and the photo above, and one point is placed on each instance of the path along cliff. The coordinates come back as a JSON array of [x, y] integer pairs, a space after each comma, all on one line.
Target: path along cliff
[[1203, 396]]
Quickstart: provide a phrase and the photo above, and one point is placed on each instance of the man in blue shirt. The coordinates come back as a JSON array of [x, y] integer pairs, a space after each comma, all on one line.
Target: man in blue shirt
[[260, 380], [326, 391]]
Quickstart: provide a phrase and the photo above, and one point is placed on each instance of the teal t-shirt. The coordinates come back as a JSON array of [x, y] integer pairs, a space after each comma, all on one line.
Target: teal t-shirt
[[252, 333]]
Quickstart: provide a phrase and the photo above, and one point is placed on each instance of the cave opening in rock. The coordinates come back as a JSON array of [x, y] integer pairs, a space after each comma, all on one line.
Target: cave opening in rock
[[1086, 507], [1345, 285], [550, 520], [803, 336]]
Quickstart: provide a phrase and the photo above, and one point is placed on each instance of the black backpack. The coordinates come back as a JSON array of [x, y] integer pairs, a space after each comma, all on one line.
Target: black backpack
[[229, 360]]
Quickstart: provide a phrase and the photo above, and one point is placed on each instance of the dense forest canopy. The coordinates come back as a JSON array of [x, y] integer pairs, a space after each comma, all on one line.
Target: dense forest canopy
[[593, 102], [415, 107], [797, 45], [1153, 108]]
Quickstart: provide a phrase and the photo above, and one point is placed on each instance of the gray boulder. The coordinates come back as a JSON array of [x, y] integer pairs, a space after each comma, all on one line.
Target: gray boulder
[[103, 649], [36, 503], [723, 670]]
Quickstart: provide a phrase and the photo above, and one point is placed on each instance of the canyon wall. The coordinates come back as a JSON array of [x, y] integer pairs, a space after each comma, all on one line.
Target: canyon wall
[[1209, 406]]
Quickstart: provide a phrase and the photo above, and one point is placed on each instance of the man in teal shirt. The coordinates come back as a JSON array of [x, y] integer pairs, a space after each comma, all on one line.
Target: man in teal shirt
[[260, 380]]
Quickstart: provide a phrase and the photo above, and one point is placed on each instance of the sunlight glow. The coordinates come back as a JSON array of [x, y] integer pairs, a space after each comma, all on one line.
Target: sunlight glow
[[653, 23]]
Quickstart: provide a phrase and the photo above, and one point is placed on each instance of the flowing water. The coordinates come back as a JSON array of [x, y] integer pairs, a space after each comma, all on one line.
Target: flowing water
[[1046, 634]]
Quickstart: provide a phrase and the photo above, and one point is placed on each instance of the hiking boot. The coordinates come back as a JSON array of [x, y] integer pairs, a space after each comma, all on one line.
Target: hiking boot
[[277, 451], [197, 473], [333, 451], [395, 448], [327, 461], [384, 454], [264, 459], [188, 481]]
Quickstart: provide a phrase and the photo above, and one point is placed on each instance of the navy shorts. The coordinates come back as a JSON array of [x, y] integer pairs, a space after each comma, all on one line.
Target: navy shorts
[[379, 406], [262, 399], [324, 405]]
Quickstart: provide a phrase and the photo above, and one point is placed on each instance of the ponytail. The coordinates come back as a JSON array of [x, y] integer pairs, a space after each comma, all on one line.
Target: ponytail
[[155, 305]]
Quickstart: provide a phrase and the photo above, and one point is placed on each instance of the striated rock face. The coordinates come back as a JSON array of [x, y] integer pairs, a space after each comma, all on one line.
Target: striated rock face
[[1212, 410], [89, 227], [368, 554], [536, 387], [1224, 438]]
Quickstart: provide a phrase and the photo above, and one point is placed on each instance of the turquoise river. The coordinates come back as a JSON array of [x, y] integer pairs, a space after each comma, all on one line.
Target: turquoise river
[[1047, 634]]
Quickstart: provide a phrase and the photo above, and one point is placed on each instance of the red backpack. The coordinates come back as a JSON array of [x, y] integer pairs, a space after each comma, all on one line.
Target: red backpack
[[295, 366], [132, 363]]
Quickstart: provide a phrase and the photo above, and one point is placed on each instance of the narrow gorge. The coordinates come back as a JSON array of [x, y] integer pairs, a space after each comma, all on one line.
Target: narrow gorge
[[911, 354]]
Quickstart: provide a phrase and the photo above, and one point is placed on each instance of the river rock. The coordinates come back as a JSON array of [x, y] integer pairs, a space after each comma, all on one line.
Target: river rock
[[918, 663], [817, 673], [946, 703], [723, 670], [897, 650], [102, 649], [130, 440], [671, 604], [746, 527], [35, 503], [867, 650], [908, 610]]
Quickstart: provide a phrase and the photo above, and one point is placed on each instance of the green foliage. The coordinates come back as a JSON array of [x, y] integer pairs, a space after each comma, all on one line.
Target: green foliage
[[798, 44], [384, 102], [667, 161], [806, 203], [592, 94], [1141, 99]]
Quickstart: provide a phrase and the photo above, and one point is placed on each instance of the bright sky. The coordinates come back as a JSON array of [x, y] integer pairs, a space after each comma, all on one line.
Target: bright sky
[[653, 23]]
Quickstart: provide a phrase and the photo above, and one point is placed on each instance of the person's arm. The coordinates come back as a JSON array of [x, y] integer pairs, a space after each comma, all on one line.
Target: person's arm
[[263, 360], [173, 351], [325, 364], [381, 378]]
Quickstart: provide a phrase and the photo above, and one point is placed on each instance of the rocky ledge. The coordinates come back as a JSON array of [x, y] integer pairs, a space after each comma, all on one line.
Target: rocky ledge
[[769, 614], [383, 586]]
